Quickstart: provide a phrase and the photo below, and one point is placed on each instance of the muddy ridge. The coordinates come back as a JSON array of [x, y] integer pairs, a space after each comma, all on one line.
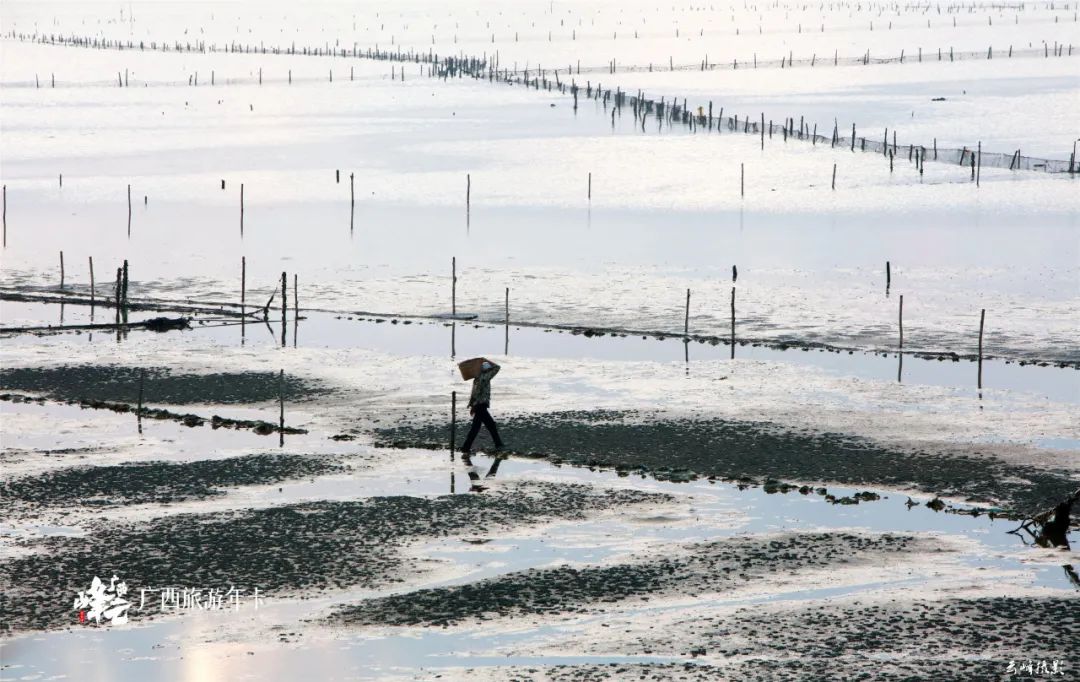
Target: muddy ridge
[[284, 550], [692, 570], [161, 385], [157, 482], [684, 448]]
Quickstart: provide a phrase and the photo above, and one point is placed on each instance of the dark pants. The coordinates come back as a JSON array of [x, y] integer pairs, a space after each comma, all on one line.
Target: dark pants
[[481, 416]]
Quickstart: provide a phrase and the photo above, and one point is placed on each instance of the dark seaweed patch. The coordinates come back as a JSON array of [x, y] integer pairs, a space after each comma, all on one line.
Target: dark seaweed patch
[[161, 385], [289, 549], [707, 567], [685, 448], [142, 482]]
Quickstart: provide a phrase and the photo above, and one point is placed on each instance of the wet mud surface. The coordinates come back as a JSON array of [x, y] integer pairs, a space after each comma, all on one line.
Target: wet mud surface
[[961, 639], [853, 668], [284, 550], [753, 452], [161, 385], [699, 568], [952, 639], [157, 482]]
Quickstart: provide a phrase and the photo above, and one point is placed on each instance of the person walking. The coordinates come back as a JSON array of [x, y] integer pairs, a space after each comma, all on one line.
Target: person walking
[[479, 402]]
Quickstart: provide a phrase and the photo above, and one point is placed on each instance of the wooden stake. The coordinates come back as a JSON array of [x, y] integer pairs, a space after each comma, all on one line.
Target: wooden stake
[[590, 185], [138, 410], [834, 176], [901, 321], [5, 216], [241, 210], [982, 321], [732, 323], [468, 191], [453, 286], [888, 276], [978, 172], [129, 210], [686, 322], [91, 280], [61, 269], [281, 404], [453, 422], [284, 304], [742, 180], [119, 277]]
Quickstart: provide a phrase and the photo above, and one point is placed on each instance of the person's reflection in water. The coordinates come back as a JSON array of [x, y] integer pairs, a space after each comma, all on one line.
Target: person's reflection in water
[[474, 471], [1071, 574]]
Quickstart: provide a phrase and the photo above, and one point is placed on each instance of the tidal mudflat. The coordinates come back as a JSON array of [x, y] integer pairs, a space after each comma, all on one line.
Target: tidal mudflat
[[784, 300]]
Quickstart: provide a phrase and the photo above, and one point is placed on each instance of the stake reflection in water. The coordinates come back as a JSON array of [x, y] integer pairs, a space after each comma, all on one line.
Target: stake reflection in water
[[732, 323]]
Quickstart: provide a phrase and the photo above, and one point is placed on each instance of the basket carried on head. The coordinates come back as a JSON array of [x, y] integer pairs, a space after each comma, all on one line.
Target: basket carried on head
[[470, 369]]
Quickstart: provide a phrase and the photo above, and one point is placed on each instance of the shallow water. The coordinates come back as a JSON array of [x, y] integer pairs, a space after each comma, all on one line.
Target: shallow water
[[810, 260], [711, 511], [588, 220]]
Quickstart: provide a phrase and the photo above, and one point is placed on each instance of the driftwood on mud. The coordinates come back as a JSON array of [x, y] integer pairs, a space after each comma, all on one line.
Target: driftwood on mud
[[1052, 524], [157, 324]]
